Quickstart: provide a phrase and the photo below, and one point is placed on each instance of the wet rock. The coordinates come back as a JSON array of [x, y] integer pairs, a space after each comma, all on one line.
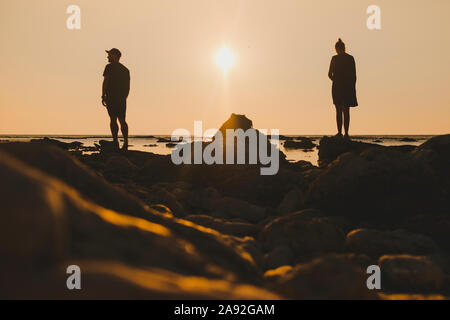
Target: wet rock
[[407, 273], [171, 144], [305, 233], [59, 144], [376, 243], [327, 277], [305, 143]]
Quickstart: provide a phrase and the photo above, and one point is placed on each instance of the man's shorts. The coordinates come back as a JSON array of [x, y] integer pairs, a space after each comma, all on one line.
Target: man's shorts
[[117, 108]]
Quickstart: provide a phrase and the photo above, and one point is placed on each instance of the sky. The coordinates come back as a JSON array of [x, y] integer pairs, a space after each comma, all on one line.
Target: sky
[[51, 76]]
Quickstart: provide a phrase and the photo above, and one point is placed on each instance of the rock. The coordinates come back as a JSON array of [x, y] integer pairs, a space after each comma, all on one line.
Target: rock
[[238, 229], [35, 225], [327, 277], [236, 121], [411, 296], [376, 243], [107, 146], [408, 140], [407, 273], [220, 249], [119, 168], [435, 156], [159, 195], [305, 143], [171, 144], [437, 227], [278, 273], [331, 147], [377, 184], [236, 208], [111, 280], [305, 233], [291, 202], [120, 255], [279, 256], [59, 144]]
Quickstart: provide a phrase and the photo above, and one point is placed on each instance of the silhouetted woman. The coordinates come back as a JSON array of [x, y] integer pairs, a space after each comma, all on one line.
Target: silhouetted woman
[[343, 74]]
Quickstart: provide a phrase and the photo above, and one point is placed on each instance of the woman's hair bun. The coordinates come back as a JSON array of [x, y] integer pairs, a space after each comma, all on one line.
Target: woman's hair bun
[[340, 40]]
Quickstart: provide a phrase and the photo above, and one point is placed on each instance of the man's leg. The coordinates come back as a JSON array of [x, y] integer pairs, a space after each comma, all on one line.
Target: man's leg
[[114, 130], [339, 119], [346, 111], [124, 129]]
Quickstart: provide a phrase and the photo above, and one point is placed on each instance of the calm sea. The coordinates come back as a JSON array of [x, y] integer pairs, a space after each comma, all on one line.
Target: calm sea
[[151, 144]]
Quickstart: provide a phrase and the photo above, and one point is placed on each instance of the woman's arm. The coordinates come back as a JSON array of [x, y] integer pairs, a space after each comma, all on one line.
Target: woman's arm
[[354, 70], [331, 70]]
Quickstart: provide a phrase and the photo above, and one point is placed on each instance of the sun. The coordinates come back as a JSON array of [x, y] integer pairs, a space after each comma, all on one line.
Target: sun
[[225, 59]]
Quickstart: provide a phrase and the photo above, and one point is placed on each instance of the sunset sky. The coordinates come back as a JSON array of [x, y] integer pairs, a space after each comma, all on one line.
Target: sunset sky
[[51, 76]]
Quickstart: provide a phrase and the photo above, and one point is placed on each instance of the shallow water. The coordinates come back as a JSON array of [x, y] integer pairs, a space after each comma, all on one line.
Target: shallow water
[[142, 143]]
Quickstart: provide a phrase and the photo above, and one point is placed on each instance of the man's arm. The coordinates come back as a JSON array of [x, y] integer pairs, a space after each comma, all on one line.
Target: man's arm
[[105, 85], [127, 86], [104, 88]]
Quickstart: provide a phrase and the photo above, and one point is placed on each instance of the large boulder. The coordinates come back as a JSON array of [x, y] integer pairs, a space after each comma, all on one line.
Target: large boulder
[[330, 148], [383, 184], [376, 243], [435, 156]]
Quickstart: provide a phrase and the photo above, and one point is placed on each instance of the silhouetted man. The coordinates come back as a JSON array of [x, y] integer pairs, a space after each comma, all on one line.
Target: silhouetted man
[[116, 86]]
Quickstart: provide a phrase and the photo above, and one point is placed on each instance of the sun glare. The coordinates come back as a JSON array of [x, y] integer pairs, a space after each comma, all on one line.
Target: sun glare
[[224, 59]]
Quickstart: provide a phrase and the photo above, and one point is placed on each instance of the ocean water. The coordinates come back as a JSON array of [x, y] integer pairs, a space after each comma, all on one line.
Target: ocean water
[[150, 144]]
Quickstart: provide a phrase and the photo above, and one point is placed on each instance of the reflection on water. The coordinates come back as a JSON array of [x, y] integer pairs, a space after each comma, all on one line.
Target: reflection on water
[[151, 144]]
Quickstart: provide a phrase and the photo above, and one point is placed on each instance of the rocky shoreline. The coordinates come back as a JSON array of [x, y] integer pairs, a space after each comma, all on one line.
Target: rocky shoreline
[[141, 227]]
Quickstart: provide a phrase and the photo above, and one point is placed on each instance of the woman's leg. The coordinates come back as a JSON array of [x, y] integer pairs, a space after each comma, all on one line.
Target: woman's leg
[[339, 119], [346, 111]]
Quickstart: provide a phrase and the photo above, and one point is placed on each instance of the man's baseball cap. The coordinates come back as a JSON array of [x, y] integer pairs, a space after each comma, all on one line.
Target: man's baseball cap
[[115, 52]]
